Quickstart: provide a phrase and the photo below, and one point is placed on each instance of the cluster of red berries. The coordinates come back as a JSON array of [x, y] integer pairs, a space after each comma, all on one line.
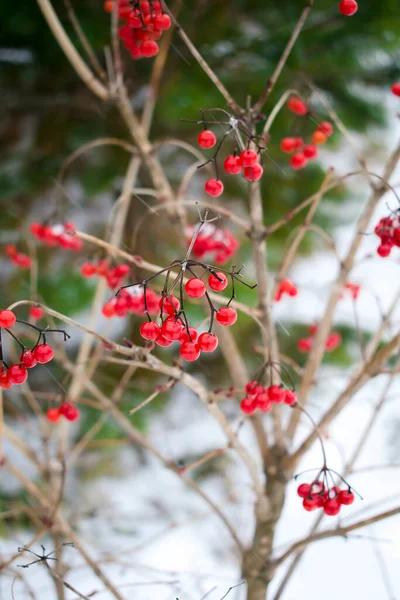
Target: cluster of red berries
[[388, 230], [317, 495], [68, 410], [332, 342], [23, 261], [259, 397], [113, 275], [41, 353], [396, 89], [214, 241], [286, 287], [132, 301], [62, 235], [348, 8], [302, 152], [145, 22]]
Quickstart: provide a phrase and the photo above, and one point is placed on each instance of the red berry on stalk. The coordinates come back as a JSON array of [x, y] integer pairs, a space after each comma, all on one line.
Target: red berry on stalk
[[348, 7], [303, 490], [162, 22], [333, 341], [149, 48], [214, 187], [171, 329], [53, 415], [108, 309], [195, 288], [7, 319], [219, 283], [5, 383], [276, 393], [248, 158], [304, 344], [346, 497], [248, 406], [88, 269], [206, 139], [290, 397], [396, 89], [169, 305], [149, 330], [207, 342], [28, 359], [297, 106], [17, 374], [298, 160], [43, 353], [332, 507], [69, 411], [233, 165], [319, 137], [326, 128], [189, 351], [385, 249], [162, 341], [253, 173], [310, 151], [35, 312], [288, 145], [185, 337], [311, 503], [226, 316]]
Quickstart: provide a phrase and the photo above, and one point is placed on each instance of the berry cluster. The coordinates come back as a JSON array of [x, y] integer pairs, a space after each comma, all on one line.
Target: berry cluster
[[303, 152], [318, 495], [131, 301], [41, 353], [68, 410], [348, 8], [23, 261], [145, 22], [214, 241], [388, 231], [259, 397], [286, 287], [62, 235], [113, 275], [332, 342]]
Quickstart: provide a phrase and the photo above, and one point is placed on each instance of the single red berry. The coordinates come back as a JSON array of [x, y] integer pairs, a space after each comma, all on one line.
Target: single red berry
[[304, 344], [185, 337], [217, 282], [28, 359], [53, 415], [346, 497], [383, 250], [303, 490], [248, 406], [162, 341], [333, 341], [206, 139], [43, 353], [251, 387], [7, 319], [108, 309], [121, 270], [298, 160], [69, 411], [214, 187], [326, 128], [5, 383], [253, 173], [207, 342], [396, 89], [319, 137], [171, 329], [35, 312], [288, 145], [248, 158], [169, 305], [162, 22], [11, 250], [189, 351], [226, 316], [276, 393], [310, 151], [149, 330], [332, 507], [233, 165], [348, 7], [297, 106], [263, 402], [311, 503], [149, 48], [88, 269], [290, 397], [195, 288], [17, 374]]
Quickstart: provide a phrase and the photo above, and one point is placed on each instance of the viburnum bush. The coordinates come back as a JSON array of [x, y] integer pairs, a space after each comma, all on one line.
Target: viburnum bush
[[181, 314]]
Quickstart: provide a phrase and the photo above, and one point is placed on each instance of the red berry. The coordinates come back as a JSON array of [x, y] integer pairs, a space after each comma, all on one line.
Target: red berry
[[69, 411], [43, 353], [298, 161], [319, 137], [108, 309], [149, 330], [7, 319], [297, 106], [332, 506], [195, 288], [333, 341], [206, 139], [326, 128], [121, 270], [396, 89], [88, 270], [219, 283], [348, 7], [263, 402], [311, 503], [310, 151], [304, 344], [233, 165], [288, 145], [17, 374], [248, 406], [28, 359], [346, 497], [185, 337], [171, 329], [303, 490], [189, 351], [207, 342], [35, 312], [248, 158], [253, 173], [149, 48], [5, 383], [162, 341], [162, 22], [169, 305], [383, 250], [290, 397], [214, 187], [226, 316], [53, 415]]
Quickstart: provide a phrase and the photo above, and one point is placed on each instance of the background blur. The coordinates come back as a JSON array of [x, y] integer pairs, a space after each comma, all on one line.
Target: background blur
[[46, 113]]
